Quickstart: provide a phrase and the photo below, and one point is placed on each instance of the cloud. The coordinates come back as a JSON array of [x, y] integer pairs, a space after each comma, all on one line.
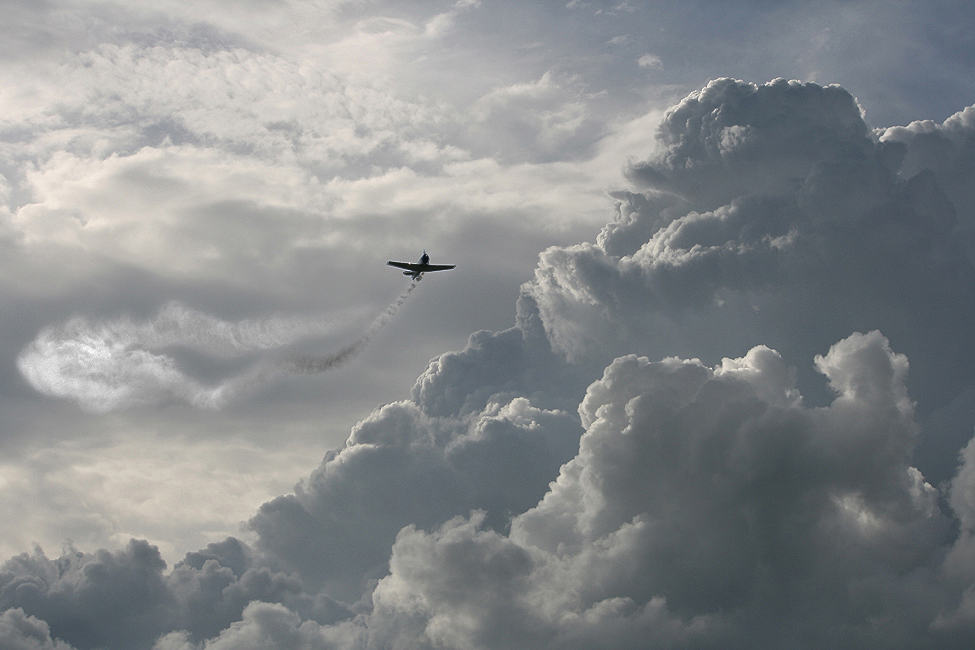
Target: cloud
[[21, 632], [947, 150], [700, 500], [701, 505], [186, 160], [118, 364], [402, 467], [546, 115], [651, 61], [700, 432], [196, 160], [73, 594], [110, 483], [835, 241], [124, 600], [773, 211], [262, 625], [486, 428]]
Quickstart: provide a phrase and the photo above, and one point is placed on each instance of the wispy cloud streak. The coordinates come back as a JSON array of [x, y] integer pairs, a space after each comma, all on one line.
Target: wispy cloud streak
[[123, 363]]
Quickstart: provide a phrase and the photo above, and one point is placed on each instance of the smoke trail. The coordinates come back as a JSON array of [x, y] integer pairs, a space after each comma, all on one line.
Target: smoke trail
[[116, 364], [309, 364], [176, 324]]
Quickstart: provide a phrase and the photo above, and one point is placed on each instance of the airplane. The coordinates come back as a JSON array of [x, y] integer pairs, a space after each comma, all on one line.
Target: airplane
[[417, 270]]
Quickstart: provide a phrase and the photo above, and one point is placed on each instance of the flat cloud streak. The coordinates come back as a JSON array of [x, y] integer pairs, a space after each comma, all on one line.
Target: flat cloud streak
[[118, 364]]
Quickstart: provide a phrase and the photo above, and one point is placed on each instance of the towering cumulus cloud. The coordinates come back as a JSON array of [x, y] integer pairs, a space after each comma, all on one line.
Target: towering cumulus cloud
[[705, 508], [772, 215], [702, 432]]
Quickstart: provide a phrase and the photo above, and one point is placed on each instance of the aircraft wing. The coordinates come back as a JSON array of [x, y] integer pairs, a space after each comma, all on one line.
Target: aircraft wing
[[421, 268], [405, 265]]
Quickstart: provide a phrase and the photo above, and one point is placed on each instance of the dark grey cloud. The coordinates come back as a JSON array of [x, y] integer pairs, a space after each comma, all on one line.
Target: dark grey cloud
[[772, 214], [402, 466], [487, 428], [126, 599], [18, 631], [706, 508], [947, 150], [97, 600]]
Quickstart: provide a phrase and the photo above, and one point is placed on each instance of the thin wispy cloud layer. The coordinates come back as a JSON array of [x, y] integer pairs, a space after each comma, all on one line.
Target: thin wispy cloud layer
[[122, 363], [735, 408]]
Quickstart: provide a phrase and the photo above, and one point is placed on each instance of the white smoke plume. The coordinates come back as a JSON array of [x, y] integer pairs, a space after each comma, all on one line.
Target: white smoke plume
[[122, 363]]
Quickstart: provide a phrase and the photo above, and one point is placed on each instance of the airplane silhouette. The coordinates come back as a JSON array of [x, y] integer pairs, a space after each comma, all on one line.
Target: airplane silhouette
[[417, 270]]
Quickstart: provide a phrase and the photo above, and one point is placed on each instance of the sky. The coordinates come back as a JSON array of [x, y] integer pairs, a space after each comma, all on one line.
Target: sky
[[703, 376]]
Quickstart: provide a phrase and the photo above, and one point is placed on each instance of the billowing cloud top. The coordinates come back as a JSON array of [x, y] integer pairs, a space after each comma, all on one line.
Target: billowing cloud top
[[772, 215], [701, 433]]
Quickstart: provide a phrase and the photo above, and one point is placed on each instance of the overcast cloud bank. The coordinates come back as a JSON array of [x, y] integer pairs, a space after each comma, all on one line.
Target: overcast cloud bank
[[701, 432]]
